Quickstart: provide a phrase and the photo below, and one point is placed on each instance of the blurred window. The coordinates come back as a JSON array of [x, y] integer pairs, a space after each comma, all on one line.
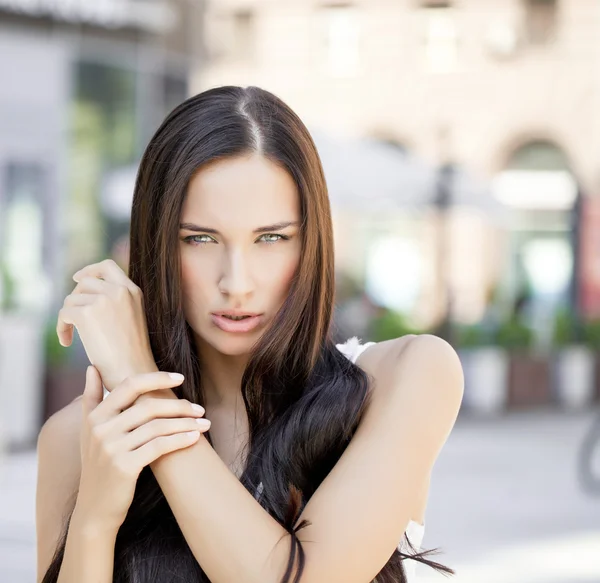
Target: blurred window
[[541, 20], [108, 93], [539, 155], [394, 271], [441, 38], [24, 251], [340, 25]]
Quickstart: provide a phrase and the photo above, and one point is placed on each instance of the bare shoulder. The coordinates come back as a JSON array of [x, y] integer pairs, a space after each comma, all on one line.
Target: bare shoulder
[[419, 373], [381, 353], [417, 392], [59, 468], [425, 352]]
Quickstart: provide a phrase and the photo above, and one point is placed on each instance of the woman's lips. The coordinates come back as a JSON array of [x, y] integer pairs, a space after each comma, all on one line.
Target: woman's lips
[[228, 325]]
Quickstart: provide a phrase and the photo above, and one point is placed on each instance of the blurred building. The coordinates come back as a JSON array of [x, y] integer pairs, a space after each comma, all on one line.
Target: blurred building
[[509, 89], [82, 88], [83, 85]]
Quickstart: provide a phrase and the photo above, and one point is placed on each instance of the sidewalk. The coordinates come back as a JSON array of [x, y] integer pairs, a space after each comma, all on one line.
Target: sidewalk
[[504, 507]]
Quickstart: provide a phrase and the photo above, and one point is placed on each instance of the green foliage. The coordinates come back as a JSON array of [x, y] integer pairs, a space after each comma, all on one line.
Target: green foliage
[[390, 325], [565, 328], [8, 289], [472, 336], [514, 334], [591, 334]]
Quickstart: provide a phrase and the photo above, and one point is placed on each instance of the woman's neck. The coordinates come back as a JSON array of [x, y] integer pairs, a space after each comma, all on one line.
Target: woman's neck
[[222, 379]]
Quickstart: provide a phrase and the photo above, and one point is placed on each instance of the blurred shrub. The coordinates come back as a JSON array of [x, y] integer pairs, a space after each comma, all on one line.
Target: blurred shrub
[[7, 287], [472, 336], [591, 333], [514, 334], [391, 324], [564, 331]]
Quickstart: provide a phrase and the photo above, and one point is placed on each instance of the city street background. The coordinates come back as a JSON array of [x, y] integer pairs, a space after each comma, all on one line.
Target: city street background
[[460, 143]]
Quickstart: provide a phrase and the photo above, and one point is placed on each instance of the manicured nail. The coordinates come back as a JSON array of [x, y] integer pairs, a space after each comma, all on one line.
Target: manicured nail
[[198, 408], [176, 376]]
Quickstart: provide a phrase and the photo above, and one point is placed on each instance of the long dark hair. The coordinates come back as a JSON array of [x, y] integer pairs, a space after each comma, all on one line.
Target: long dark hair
[[303, 397]]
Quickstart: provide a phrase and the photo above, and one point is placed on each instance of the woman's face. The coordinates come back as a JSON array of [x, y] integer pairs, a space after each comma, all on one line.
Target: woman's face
[[236, 251]]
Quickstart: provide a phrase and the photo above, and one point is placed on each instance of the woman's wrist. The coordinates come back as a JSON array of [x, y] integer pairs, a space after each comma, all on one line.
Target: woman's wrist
[[117, 375], [89, 550], [91, 527]]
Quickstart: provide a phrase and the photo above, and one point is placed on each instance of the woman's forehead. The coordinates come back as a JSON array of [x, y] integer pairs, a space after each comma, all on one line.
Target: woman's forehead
[[242, 190]]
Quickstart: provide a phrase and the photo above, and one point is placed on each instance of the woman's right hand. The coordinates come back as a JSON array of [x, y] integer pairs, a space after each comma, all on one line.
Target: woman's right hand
[[121, 435]]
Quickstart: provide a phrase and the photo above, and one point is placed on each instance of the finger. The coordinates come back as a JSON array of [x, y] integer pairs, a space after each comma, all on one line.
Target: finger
[[144, 412], [127, 392], [110, 271], [66, 320], [88, 284], [99, 287], [80, 299], [160, 446], [64, 325], [159, 427], [93, 391]]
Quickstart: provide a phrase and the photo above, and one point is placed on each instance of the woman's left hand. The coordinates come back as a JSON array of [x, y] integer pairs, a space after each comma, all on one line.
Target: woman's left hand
[[107, 309]]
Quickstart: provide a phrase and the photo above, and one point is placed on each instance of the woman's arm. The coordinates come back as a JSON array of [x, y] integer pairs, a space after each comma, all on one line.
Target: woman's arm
[[89, 552], [362, 508], [231, 535]]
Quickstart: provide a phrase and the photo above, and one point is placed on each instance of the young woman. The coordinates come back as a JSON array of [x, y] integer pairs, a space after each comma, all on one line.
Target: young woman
[[278, 456]]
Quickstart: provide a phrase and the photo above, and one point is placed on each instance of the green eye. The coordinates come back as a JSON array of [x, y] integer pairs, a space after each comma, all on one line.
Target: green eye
[[285, 238], [191, 237]]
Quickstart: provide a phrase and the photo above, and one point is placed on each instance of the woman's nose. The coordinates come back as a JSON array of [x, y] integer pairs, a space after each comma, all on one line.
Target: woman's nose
[[236, 279]]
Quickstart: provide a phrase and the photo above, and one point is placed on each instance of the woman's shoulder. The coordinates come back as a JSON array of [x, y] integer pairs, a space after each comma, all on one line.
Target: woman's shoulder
[[420, 361], [370, 355]]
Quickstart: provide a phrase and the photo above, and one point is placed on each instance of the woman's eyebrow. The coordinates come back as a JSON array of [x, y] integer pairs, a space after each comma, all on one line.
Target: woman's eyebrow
[[265, 229]]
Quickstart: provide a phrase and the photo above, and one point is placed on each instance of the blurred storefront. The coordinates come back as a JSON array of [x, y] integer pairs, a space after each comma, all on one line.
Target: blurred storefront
[[82, 88], [539, 187], [466, 82], [495, 244]]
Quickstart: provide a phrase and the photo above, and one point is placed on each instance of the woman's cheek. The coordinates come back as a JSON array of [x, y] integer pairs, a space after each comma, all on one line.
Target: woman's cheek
[[287, 271]]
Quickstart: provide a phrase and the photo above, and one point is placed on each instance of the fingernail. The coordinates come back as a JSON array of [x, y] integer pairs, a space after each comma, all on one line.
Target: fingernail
[[176, 376], [203, 422], [198, 408]]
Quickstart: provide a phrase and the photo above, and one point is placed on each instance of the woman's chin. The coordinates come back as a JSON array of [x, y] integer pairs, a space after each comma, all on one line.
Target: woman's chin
[[235, 344]]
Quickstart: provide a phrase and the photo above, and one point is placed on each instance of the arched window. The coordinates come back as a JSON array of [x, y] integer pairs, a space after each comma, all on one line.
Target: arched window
[[537, 176]]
